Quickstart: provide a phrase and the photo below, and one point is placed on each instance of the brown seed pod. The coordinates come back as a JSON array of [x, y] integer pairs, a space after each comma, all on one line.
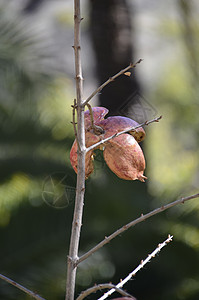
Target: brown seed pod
[[125, 158], [89, 167], [122, 154], [115, 124]]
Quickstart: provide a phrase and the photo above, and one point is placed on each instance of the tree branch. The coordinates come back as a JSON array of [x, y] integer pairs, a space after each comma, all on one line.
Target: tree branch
[[132, 65], [98, 287], [122, 132], [21, 287], [141, 265], [80, 187], [133, 223]]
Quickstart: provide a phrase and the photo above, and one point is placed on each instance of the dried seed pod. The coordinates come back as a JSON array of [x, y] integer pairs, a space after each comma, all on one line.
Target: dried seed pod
[[115, 124], [89, 167], [125, 158], [122, 154]]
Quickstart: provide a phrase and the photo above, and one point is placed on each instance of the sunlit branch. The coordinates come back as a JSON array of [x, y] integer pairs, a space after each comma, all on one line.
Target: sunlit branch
[[80, 186], [141, 265]]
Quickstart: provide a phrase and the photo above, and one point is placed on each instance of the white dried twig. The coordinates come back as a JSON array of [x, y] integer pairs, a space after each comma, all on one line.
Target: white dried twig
[[141, 265], [133, 223], [122, 132], [98, 287], [21, 287], [132, 65]]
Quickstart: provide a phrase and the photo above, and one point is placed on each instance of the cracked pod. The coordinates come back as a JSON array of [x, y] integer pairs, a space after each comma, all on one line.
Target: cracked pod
[[125, 158], [122, 154], [98, 114]]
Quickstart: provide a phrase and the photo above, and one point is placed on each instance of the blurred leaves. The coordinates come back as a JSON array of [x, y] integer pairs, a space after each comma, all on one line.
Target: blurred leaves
[[173, 154], [35, 133]]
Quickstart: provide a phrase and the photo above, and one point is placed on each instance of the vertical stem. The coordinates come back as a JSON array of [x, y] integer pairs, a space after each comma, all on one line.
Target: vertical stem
[[80, 187]]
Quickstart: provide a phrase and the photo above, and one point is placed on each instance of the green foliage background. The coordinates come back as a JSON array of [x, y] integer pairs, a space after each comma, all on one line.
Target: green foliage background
[[36, 136]]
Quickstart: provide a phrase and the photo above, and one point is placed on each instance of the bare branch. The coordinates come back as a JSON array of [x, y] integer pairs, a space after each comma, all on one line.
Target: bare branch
[[141, 265], [80, 187], [98, 287], [21, 287], [132, 65], [122, 132], [133, 223]]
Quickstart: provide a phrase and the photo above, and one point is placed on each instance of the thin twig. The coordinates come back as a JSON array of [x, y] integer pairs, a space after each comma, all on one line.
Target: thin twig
[[91, 114], [133, 223], [96, 129], [98, 287], [141, 265], [74, 106], [122, 132], [132, 65], [21, 287]]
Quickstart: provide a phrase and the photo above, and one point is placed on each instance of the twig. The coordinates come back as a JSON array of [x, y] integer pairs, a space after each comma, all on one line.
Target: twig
[[98, 287], [133, 223], [80, 187], [141, 265], [91, 114], [122, 132], [21, 287], [97, 129], [132, 65], [74, 106]]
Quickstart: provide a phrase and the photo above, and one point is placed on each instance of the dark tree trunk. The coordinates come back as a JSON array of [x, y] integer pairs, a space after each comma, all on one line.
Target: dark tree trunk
[[32, 5], [111, 33]]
